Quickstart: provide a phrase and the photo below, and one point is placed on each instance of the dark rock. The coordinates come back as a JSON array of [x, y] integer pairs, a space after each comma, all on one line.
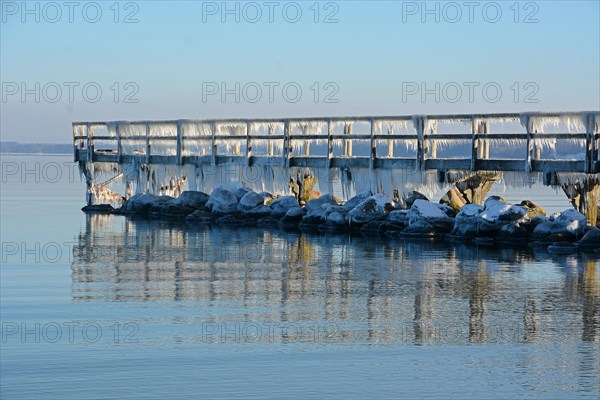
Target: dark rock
[[419, 228], [513, 232], [249, 201], [591, 240], [415, 196], [533, 209], [570, 222], [281, 205], [99, 209]]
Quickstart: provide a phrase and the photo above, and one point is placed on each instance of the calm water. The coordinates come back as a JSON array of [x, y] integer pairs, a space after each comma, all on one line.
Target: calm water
[[106, 307]]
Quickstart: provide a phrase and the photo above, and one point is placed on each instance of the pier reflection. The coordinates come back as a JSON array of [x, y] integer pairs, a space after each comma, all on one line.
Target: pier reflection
[[373, 291]]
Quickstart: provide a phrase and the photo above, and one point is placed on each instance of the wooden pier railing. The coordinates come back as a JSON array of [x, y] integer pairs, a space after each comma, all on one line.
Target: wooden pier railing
[[181, 142]]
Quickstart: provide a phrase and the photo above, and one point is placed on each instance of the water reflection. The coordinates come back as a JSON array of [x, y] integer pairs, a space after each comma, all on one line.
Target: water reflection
[[369, 291]]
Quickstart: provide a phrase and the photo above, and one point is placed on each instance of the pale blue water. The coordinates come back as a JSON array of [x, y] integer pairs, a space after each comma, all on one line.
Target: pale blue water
[[142, 309]]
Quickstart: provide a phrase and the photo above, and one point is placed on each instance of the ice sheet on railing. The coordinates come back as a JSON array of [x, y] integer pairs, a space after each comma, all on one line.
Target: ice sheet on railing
[[163, 147]]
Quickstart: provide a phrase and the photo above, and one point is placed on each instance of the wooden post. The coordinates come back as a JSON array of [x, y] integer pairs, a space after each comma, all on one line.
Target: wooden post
[[213, 146], [119, 143], [287, 144], [90, 142], [420, 161], [431, 143], [179, 143], [248, 145], [270, 146], [148, 149], [390, 145], [348, 142], [306, 142], [530, 145], [373, 156], [591, 147], [329, 143], [474, 143]]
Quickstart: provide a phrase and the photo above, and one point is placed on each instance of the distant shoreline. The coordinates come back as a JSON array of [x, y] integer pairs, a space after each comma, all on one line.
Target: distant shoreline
[[16, 148]]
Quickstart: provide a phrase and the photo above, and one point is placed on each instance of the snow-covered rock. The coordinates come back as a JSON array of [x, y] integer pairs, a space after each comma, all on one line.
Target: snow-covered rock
[[141, 203], [372, 208], [496, 214], [423, 210], [222, 201], [249, 201], [570, 222], [398, 216], [317, 207], [190, 198], [415, 196], [294, 214], [542, 230], [466, 223], [356, 200], [281, 205], [336, 219]]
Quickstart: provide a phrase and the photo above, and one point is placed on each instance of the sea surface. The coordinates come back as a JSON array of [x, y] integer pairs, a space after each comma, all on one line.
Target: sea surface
[[108, 307]]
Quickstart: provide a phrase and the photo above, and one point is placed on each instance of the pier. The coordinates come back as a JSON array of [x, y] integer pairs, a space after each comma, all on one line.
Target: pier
[[370, 151]]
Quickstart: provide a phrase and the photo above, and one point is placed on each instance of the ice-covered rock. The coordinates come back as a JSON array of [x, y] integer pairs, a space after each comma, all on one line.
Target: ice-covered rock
[[336, 219], [423, 210], [317, 207], [372, 208], [570, 222], [542, 230], [497, 213], [281, 205], [222, 201], [141, 203], [398, 216], [415, 196], [356, 200], [466, 223], [190, 198], [249, 201]]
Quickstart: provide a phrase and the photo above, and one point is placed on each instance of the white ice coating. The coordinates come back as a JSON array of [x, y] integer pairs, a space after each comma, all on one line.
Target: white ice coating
[[169, 179]]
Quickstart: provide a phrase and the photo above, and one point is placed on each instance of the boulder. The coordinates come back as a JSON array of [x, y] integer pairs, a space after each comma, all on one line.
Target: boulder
[[513, 232], [250, 201], [99, 209], [336, 219], [141, 203], [419, 228], [570, 222], [318, 206], [466, 223], [293, 215], [414, 196], [398, 217], [446, 209], [190, 198], [241, 192], [423, 210], [533, 209], [222, 201], [281, 205], [591, 240], [356, 200], [261, 211], [496, 214], [494, 199], [374, 207], [331, 209], [542, 231]]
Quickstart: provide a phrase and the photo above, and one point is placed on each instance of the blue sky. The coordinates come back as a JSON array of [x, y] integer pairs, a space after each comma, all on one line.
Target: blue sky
[[375, 60]]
